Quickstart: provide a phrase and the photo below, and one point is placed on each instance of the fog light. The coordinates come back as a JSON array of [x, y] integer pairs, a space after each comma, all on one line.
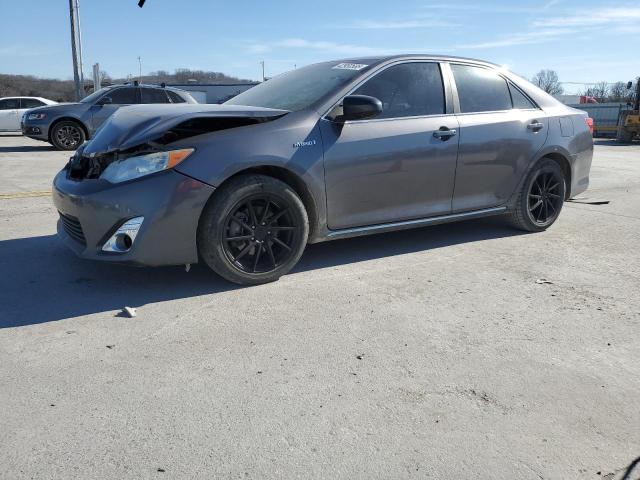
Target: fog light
[[123, 239]]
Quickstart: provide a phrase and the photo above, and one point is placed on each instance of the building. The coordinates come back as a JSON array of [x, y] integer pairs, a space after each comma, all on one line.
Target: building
[[213, 92]]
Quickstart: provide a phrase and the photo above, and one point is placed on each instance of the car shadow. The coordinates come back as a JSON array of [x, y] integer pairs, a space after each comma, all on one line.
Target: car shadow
[[42, 281], [27, 148]]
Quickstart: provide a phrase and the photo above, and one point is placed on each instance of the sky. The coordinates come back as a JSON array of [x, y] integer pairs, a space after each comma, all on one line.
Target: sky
[[584, 41]]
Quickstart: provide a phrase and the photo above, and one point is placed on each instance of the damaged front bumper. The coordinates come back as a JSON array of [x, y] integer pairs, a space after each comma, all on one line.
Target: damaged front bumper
[[92, 211]]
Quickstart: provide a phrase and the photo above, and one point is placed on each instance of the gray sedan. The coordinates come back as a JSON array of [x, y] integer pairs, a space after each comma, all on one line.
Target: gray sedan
[[67, 125], [332, 150]]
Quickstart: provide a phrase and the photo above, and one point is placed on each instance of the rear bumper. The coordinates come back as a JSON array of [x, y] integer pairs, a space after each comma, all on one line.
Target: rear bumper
[[580, 168], [92, 210]]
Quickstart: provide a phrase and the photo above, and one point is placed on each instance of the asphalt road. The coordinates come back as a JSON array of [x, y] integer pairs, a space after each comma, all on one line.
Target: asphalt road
[[433, 353]]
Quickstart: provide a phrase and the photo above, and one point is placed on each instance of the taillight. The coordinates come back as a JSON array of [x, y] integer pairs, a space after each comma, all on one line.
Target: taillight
[[589, 122]]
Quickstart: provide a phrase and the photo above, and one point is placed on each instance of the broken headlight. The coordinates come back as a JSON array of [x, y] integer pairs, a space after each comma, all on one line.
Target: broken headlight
[[137, 166]]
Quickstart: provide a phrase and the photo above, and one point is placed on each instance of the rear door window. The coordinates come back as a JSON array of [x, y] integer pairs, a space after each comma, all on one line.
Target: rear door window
[[30, 103], [153, 95], [407, 90], [480, 89], [123, 96]]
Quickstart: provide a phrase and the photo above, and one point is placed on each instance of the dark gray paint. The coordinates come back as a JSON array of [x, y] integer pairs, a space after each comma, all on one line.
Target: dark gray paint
[[360, 177], [380, 171]]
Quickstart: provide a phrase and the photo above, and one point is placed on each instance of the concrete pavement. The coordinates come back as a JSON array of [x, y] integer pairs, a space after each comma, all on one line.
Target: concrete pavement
[[431, 353]]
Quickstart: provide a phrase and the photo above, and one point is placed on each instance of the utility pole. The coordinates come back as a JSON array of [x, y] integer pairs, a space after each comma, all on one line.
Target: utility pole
[[76, 48], [96, 77], [139, 69], [263, 77]]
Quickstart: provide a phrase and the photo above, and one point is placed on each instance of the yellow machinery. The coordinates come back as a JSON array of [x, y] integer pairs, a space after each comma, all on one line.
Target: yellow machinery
[[629, 121]]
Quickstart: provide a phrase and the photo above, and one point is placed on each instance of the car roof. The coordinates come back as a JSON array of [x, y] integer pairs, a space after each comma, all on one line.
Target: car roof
[[145, 85], [45, 100], [415, 56], [26, 96]]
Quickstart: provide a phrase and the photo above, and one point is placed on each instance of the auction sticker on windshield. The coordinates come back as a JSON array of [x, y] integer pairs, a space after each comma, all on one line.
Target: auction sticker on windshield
[[350, 66]]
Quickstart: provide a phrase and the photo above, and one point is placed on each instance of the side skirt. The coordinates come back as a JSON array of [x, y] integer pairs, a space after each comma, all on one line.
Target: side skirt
[[421, 222]]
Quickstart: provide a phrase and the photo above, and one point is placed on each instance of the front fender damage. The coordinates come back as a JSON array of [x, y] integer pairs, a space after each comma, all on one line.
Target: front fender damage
[[144, 129]]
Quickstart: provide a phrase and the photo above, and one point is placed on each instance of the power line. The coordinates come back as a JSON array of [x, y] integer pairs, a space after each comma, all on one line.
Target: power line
[[589, 83]]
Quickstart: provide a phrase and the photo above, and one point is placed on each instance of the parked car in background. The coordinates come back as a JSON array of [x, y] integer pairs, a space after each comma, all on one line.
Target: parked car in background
[[12, 109], [67, 125], [333, 150]]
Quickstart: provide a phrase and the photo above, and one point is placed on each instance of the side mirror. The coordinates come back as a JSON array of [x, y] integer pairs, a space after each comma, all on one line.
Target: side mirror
[[629, 85], [360, 107], [105, 101]]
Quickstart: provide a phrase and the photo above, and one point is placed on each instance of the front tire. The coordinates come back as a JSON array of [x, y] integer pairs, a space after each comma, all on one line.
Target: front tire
[[253, 230], [541, 197], [67, 135]]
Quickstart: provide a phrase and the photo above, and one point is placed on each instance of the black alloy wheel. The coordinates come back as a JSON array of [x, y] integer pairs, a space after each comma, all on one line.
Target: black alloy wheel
[[540, 198], [258, 235], [545, 198], [253, 229]]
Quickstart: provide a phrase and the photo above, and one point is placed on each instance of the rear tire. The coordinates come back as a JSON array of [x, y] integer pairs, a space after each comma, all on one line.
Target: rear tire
[[253, 230], [67, 135], [540, 198]]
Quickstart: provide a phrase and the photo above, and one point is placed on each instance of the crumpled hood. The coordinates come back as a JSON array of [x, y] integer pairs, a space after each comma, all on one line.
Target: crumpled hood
[[136, 124]]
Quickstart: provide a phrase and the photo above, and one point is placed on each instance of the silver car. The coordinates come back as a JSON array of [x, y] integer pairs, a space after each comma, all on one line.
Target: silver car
[[67, 125], [332, 150]]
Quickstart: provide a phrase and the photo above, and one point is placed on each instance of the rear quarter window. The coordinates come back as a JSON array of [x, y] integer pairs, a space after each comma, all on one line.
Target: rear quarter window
[[520, 101], [175, 98]]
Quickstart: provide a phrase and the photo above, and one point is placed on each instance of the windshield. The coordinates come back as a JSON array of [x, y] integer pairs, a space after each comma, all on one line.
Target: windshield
[[94, 96], [301, 88]]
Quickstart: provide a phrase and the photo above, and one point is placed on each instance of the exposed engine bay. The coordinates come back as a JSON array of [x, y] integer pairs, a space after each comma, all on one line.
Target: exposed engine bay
[[83, 166]]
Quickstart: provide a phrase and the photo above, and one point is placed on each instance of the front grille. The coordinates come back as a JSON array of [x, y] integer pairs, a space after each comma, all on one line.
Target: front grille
[[73, 228]]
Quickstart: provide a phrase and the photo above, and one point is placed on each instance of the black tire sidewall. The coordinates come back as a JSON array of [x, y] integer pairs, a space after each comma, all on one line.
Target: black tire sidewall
[[223, 202], [64, 123], [545, 165]]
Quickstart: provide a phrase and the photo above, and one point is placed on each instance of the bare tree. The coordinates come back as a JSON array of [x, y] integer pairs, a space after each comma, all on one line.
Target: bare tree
[[63, 90], [548, 81], [105, 78], [618, 92], [600, 91]]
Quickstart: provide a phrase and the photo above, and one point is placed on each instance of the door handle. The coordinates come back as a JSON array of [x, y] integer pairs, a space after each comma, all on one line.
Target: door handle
[[535, 126], [445, 133]]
